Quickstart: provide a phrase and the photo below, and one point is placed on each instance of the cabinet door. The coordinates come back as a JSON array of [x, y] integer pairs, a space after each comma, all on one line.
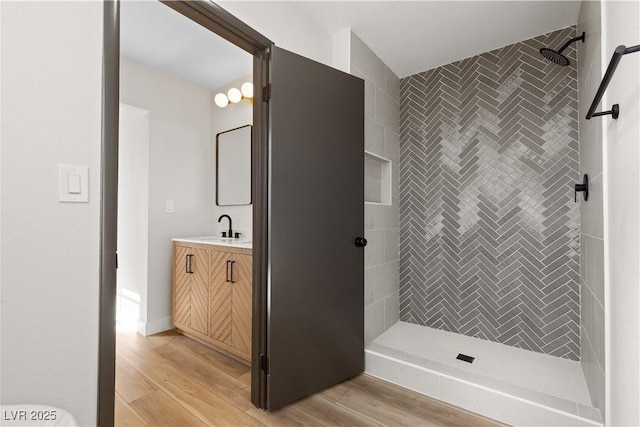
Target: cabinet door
[[200, 290], [181, 290], [220, 298], [241, 313]]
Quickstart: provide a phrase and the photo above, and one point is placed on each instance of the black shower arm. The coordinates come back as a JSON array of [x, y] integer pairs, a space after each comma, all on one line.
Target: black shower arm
[[575, 39]]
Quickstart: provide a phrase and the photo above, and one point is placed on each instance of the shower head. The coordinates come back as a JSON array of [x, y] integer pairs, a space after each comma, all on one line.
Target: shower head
[[556, 56]]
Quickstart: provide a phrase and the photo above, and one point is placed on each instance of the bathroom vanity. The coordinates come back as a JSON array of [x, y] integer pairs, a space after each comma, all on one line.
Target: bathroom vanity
[[212, 293]]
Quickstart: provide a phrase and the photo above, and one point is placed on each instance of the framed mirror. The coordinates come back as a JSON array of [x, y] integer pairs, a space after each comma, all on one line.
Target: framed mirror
[[233, 167]]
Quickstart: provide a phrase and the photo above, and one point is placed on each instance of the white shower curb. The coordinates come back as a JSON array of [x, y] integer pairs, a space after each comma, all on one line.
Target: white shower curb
[[486, 396]]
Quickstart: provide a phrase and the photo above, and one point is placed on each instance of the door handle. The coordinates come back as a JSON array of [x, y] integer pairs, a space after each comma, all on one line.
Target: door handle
[[190, 263], [361, 242], [232, 281], [582, 188], [187, 264]]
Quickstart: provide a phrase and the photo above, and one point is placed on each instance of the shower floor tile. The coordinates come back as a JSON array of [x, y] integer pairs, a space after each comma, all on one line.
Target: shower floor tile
[[551, 375]]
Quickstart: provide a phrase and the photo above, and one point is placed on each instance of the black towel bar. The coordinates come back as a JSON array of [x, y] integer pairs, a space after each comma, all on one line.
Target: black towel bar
[[613, 64]]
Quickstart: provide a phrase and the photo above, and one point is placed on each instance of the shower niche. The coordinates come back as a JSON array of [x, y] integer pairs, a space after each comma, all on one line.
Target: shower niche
[[377, 179]]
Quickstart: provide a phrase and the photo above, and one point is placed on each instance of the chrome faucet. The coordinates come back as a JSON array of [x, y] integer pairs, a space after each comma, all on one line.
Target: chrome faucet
[[230, 230]]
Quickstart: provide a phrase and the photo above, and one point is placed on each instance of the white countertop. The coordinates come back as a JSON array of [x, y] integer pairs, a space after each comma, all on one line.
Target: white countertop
[[218, 241]]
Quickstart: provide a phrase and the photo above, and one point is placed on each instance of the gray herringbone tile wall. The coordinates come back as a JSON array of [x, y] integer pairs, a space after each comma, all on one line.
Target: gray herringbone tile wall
[[489, 231]]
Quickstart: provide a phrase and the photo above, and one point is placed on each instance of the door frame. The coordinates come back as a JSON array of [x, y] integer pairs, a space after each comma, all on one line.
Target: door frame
[[227, 26]]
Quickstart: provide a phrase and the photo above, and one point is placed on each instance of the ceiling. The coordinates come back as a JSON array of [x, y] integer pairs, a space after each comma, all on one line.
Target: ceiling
[[409, 36], [414, 36], [157, 36]]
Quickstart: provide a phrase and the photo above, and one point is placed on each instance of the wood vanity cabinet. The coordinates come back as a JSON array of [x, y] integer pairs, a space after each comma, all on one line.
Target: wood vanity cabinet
[[212, 296], [191, 288]]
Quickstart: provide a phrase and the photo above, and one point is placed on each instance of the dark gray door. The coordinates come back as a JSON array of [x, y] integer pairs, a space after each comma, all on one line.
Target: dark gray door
[[315, 313]]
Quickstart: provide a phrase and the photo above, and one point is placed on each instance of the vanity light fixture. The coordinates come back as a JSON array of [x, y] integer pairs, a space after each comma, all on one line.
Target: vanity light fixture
[[247, 89], [221, 100], [235, 95]]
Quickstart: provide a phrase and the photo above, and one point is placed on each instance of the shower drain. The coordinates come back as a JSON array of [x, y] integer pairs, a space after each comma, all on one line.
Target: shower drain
[[465, 358]]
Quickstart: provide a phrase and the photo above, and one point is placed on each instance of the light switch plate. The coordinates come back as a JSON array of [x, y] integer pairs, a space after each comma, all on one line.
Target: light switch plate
[[73, 184], [168, 206]]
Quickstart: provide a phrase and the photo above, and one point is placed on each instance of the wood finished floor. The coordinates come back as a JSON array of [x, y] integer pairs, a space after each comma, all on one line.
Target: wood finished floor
[[171, 380]]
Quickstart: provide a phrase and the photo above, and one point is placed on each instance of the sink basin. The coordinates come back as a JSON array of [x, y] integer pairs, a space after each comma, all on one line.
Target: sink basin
[[225, 239], [215, 240]]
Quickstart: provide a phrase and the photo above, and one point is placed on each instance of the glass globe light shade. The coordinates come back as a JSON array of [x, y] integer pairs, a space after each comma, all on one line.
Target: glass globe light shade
[[247, 89], [221, 100], [234, 95]]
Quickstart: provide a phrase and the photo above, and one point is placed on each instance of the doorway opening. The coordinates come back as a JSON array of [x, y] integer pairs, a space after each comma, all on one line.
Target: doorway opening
[[176, 175], [184, 162], [162, 74]]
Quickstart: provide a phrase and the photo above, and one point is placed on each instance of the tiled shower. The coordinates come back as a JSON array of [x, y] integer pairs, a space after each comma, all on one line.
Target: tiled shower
[[482, 235], [489, 230]]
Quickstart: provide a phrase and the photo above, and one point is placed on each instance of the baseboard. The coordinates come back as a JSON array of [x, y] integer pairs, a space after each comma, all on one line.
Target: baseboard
[[155, 327]]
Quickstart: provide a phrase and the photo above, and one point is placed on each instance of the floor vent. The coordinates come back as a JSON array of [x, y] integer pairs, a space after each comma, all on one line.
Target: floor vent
[[465, 358]]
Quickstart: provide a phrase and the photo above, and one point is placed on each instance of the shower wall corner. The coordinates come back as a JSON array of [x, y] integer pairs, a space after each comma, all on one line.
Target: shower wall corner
[[382, 121]]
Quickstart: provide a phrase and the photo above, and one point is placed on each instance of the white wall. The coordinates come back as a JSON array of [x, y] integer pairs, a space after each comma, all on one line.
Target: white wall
[[223, 119], [341, 55], [133, 215], [285, 25], [51, 59], [621, 26], [180, 163]]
